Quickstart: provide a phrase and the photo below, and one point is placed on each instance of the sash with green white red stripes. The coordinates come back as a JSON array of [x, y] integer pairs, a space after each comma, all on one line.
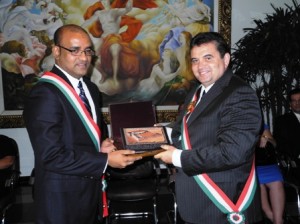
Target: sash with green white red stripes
[[212, 190], [90, 125]]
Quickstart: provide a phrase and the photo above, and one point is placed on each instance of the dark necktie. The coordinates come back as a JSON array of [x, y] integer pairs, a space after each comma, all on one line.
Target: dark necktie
[[203, 93], [84, 98]]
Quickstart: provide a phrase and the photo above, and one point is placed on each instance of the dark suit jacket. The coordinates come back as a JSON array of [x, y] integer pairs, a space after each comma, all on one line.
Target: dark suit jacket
[[223, 130], [67, 166], [287, 134]]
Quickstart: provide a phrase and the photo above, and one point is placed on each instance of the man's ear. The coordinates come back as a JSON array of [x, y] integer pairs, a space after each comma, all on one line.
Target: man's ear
[[55, 51], [227, 59]]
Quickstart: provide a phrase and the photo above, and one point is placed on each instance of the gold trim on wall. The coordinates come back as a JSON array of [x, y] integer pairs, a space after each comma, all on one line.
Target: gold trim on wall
[[11, 121], [163, 116], [224, 22]]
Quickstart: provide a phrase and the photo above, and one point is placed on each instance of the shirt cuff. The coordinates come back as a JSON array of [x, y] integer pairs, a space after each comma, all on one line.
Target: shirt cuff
[[176, 157]]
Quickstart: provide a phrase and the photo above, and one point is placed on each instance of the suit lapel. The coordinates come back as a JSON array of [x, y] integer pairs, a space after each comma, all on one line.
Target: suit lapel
[[91, 127], [294, 121], [208, 99], [58, 72]]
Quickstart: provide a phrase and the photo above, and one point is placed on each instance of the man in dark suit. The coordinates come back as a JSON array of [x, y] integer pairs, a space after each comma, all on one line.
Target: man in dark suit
[[63, 126], [214, 141], [287, 131]]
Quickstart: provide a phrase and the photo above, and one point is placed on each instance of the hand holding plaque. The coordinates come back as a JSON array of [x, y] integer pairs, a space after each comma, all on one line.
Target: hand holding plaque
[[148, 153]]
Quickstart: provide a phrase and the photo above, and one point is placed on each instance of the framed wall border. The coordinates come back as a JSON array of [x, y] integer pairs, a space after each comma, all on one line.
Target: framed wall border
[[165, 114]]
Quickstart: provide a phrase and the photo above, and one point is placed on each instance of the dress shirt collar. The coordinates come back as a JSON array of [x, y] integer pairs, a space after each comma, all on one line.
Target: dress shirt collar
[[72, 80], [206, 89]]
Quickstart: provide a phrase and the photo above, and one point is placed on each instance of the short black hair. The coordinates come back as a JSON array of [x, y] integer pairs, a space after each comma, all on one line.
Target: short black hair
[[9, 143], [292, 92], [207, 37]]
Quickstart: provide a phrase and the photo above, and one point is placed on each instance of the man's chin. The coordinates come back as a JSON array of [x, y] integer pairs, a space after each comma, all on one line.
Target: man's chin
[[82, 72]]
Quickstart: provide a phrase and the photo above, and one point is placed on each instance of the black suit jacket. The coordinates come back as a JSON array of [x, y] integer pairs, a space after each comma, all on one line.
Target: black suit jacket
[[223, 130], [67, 166], [287, 134]]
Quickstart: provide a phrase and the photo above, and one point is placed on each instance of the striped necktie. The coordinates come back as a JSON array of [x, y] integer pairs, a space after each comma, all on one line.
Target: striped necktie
[[84, 98]]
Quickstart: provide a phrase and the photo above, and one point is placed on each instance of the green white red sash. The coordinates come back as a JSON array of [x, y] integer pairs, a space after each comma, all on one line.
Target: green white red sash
[[217, 196], [71, 95], [90, 125]]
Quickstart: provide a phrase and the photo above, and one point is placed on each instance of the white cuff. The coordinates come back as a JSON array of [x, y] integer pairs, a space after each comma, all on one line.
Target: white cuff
[[176, 157]]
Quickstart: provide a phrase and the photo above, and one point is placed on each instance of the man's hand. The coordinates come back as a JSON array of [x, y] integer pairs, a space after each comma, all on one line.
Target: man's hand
[[122, 158], [108, 146], [166, 156], [263, 141]]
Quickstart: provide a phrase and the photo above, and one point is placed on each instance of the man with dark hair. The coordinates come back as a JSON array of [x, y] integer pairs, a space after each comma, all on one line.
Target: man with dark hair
[[214, 141], [287, 129], [65, 126]]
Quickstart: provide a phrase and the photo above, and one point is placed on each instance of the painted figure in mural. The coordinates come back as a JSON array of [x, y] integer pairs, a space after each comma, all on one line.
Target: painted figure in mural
[[193, 15], [127, 30], [161, 73], [17, 72], [17, 23], [11, 55], [174, 63], [52, 15], [178, 39], [108, 19], [182, 14], [183, 55], [112, 45], [33, 30]]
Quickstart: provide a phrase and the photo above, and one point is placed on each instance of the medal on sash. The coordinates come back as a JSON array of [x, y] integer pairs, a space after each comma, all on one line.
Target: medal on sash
[[236, 218]]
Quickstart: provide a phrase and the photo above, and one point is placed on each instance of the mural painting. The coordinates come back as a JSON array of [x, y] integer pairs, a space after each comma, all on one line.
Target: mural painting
[[142, 46]]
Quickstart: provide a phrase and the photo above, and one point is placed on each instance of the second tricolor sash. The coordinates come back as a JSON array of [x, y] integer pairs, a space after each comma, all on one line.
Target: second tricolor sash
[[212, 190]]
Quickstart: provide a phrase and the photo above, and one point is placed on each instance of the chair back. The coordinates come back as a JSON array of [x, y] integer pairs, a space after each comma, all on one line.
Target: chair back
[[140, 169]]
